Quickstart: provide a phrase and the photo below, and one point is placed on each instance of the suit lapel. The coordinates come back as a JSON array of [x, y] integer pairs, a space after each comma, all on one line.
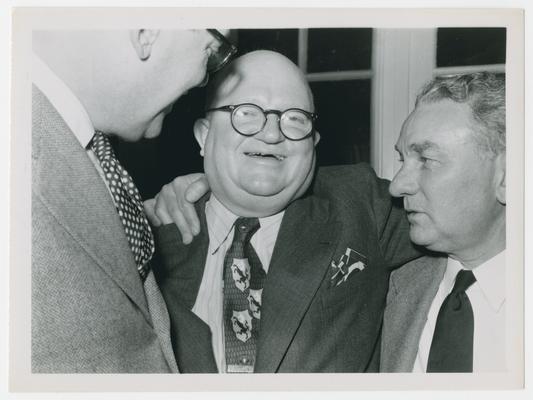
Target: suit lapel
[[69, 185], [300, 260], [413, 288]]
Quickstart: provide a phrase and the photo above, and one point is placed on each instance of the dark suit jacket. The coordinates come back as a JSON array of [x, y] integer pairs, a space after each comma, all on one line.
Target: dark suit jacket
[[307, 324], [412, 290], [90, 311]]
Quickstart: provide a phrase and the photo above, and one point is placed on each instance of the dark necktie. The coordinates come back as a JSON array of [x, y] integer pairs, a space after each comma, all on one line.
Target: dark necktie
[[128, 203], [243, 286], [453, 339]]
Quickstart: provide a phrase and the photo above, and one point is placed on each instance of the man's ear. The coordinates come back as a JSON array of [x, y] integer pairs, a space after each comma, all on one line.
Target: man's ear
[[201, 129], [317, 138], [142, 41], [499, 178]]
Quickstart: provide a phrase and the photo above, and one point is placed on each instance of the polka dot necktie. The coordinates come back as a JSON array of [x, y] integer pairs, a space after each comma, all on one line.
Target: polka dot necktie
[[128, 203], [453, 340], [243, 286]]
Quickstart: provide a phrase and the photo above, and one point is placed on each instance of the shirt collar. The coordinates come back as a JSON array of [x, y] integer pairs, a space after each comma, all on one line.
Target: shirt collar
[[63, 100], [220, 222], [270, 225], [490, 277]]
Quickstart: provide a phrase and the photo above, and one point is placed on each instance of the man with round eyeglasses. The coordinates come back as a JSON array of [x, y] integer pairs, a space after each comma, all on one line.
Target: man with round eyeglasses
[[304, 289], [96, 307], [248, 119]]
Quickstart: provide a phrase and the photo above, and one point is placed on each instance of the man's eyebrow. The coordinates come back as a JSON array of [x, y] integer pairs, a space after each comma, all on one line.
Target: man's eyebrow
[[423, 146]]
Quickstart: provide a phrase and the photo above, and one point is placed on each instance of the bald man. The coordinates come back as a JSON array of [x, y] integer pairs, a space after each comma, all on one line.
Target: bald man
[[283, 276]]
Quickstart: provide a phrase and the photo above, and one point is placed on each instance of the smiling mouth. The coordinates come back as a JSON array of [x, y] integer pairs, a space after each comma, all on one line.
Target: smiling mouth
[[278, 157]]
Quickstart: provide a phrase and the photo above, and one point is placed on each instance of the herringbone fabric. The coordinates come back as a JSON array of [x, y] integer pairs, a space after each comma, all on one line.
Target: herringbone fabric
[[90, 313]]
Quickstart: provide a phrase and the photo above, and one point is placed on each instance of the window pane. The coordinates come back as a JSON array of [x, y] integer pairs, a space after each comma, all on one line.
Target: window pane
[[343, 109], [341, 49], [470, 46], [284, 41]]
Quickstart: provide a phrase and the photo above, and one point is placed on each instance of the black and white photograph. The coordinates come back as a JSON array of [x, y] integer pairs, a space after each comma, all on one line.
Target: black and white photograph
[[210, 200]]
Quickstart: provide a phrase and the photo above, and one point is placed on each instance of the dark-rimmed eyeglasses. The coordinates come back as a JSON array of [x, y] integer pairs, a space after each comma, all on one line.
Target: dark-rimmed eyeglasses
[[224, 53], [249, 119]]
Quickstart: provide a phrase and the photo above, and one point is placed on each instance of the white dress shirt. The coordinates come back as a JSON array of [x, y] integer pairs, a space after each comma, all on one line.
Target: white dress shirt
[[68, 106], [487, 296], [210, 300]]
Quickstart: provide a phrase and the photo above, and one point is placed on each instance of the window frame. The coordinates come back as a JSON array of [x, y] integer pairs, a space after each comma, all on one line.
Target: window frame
[[403, 60]]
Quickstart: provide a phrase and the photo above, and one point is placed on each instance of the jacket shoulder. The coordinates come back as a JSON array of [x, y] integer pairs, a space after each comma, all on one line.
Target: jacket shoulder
[[428, 267], [354, 183]]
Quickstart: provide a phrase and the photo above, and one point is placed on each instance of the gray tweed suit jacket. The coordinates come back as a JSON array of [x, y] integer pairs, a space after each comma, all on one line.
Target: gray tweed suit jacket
[[411, 291], [90, 310]]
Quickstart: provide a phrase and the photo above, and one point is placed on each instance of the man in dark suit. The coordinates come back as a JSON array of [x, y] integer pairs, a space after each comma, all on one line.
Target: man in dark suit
[[95, 304], [323, 257], [446, 313]]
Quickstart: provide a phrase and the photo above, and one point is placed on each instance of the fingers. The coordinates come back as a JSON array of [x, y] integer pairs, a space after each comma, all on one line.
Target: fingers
[[171, 206], [161, 208], [167, 211], [194, 192], [197, 189], [177, 216], [175, 204], [149, 209]]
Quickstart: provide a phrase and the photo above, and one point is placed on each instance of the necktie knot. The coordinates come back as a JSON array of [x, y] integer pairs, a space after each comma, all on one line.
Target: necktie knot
[[465, 278], [101, 147], [245, 229]]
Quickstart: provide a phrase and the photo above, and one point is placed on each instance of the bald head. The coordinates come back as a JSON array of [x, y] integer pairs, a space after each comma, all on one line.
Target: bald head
[[261, 66], [260, 174]]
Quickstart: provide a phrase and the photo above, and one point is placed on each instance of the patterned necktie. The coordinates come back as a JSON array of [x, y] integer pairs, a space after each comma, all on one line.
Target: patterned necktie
[[453, 339], [243, 286], [128, 203]]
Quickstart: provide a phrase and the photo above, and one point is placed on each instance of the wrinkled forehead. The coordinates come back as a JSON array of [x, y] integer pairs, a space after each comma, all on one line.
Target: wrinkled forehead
[[442, 123], [270, 85]]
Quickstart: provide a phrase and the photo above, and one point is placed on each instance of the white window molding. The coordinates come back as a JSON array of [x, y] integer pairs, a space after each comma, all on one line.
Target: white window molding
[[402, 60]]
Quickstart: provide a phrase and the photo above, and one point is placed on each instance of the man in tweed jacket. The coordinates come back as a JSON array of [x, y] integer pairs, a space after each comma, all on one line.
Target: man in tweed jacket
[[91, 312]]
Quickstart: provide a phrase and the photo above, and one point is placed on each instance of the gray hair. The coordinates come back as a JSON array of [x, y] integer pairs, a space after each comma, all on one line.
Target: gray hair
[[484, 93]]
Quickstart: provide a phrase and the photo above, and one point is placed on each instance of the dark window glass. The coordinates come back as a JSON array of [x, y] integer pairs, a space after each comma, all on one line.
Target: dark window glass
[[340, 49], [284, 41], [470, 46], [343, 109]]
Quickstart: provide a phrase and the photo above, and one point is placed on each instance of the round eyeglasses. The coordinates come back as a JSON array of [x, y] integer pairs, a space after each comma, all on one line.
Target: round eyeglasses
[[223, 54], [249, 119]]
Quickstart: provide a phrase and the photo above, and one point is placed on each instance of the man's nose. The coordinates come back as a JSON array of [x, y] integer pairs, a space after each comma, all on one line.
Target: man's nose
[[404, 183], [271, 133]]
